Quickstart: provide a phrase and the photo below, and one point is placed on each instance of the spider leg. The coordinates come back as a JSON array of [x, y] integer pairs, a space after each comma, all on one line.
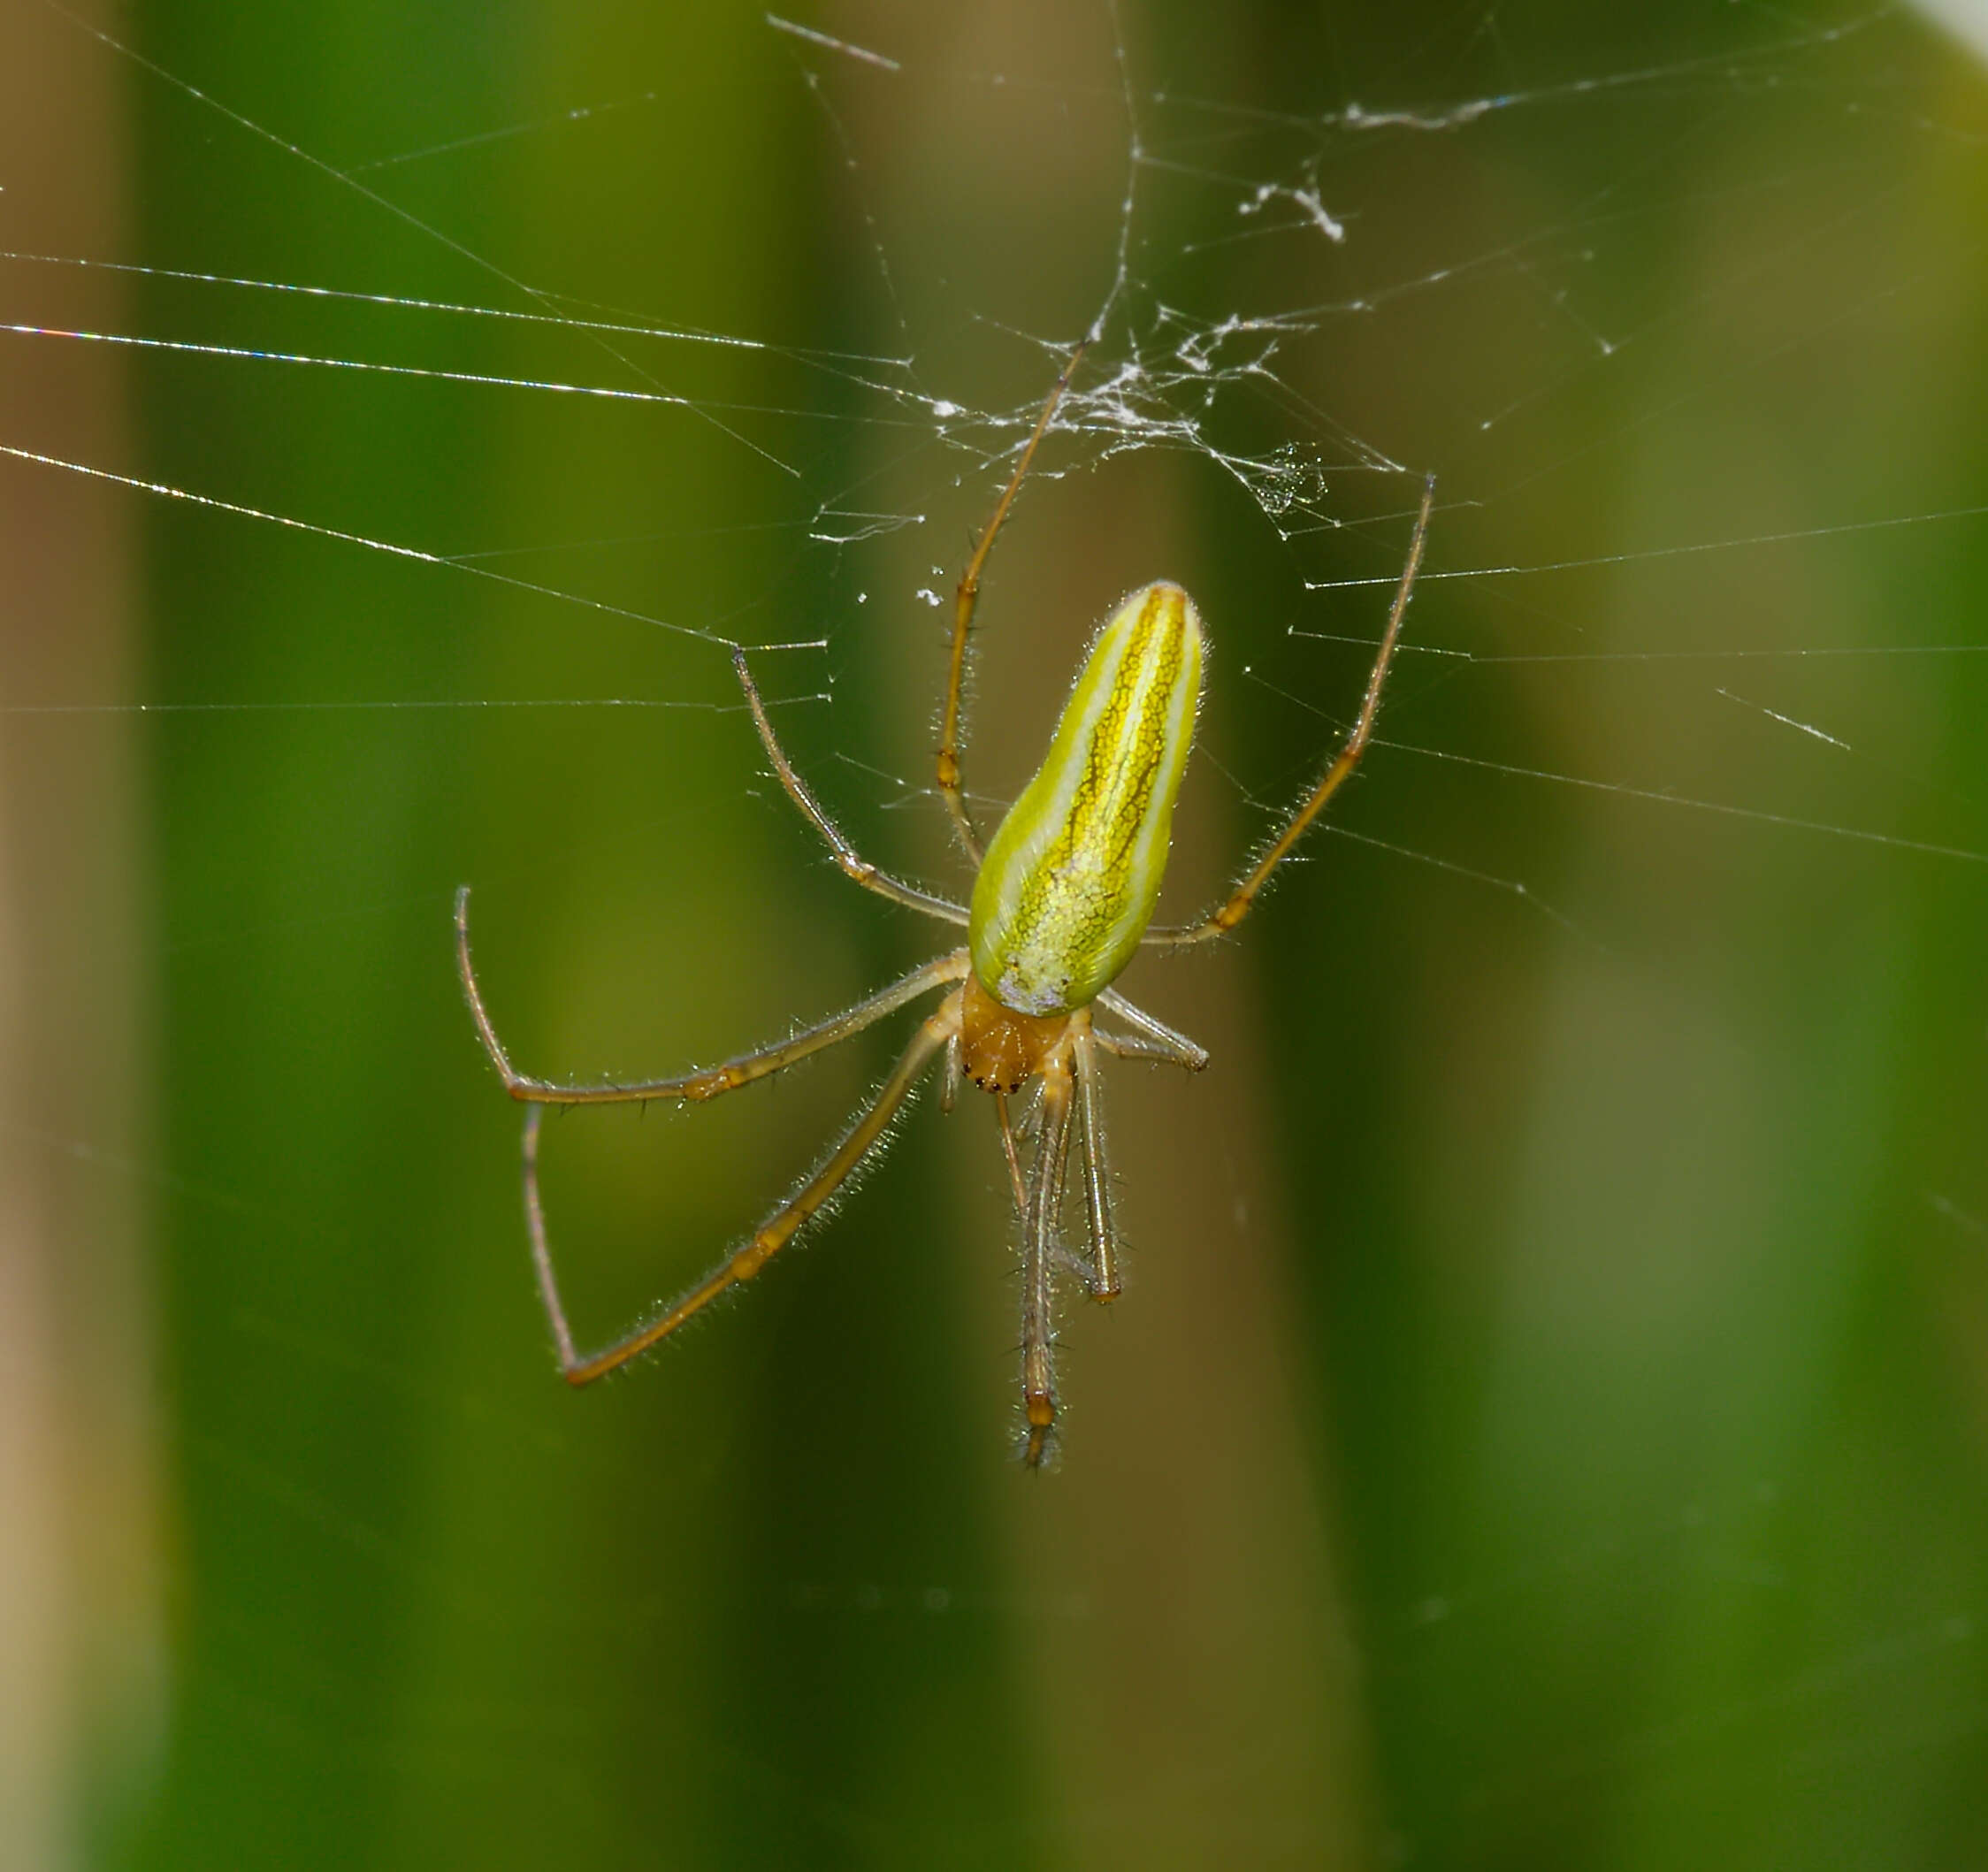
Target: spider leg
[[964, 601], [949, 1079], [1154, 1039], [853, 864], [1130, 1046], [711, 1080], [1038, 1254], [1012, 1156], [1245, 894], [1072, 1263], [866, 1132], [1102, 1273]]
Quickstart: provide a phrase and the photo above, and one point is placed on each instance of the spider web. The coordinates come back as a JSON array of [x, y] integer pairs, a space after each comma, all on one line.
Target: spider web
[[1546, 1417]]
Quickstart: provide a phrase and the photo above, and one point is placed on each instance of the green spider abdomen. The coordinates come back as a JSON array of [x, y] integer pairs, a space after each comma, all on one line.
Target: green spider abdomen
[[1069, 884]]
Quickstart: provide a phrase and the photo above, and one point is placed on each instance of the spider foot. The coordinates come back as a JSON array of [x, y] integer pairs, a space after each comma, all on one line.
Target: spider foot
[[1097, 1284], [1040, 1443]]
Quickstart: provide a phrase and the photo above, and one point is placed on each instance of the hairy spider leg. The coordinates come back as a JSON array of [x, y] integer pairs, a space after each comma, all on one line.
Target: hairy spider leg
[[1342, 764], [708, 1081], [865, 1131], [852, 862], [939, 1030], [1008, 1150], [1046, 1188], [965, 598], [1102, 1273], [1152, 1040]]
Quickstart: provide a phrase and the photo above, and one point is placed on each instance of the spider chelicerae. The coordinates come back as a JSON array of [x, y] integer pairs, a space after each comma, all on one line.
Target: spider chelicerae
[[1061, 902]]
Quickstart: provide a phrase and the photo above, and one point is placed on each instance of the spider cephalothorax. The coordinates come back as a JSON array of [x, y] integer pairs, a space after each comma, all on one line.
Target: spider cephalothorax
[[1061, 902], [1000, 1050]]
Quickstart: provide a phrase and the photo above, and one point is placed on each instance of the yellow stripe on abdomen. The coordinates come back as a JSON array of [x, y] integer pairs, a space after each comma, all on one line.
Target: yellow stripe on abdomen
[[1069, 884]]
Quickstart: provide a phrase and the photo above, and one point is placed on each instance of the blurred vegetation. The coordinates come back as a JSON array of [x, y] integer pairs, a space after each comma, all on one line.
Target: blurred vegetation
[[1547, 1424]]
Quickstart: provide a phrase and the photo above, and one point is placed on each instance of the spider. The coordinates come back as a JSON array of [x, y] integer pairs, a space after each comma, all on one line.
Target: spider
[[1061, 901]]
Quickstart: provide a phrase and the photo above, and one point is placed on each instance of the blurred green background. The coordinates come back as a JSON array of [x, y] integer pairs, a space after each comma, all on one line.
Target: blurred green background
[[1548, 1422]]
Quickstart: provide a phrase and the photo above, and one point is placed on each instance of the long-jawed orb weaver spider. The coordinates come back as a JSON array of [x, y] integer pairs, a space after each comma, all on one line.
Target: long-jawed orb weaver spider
[[1061, 902]]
